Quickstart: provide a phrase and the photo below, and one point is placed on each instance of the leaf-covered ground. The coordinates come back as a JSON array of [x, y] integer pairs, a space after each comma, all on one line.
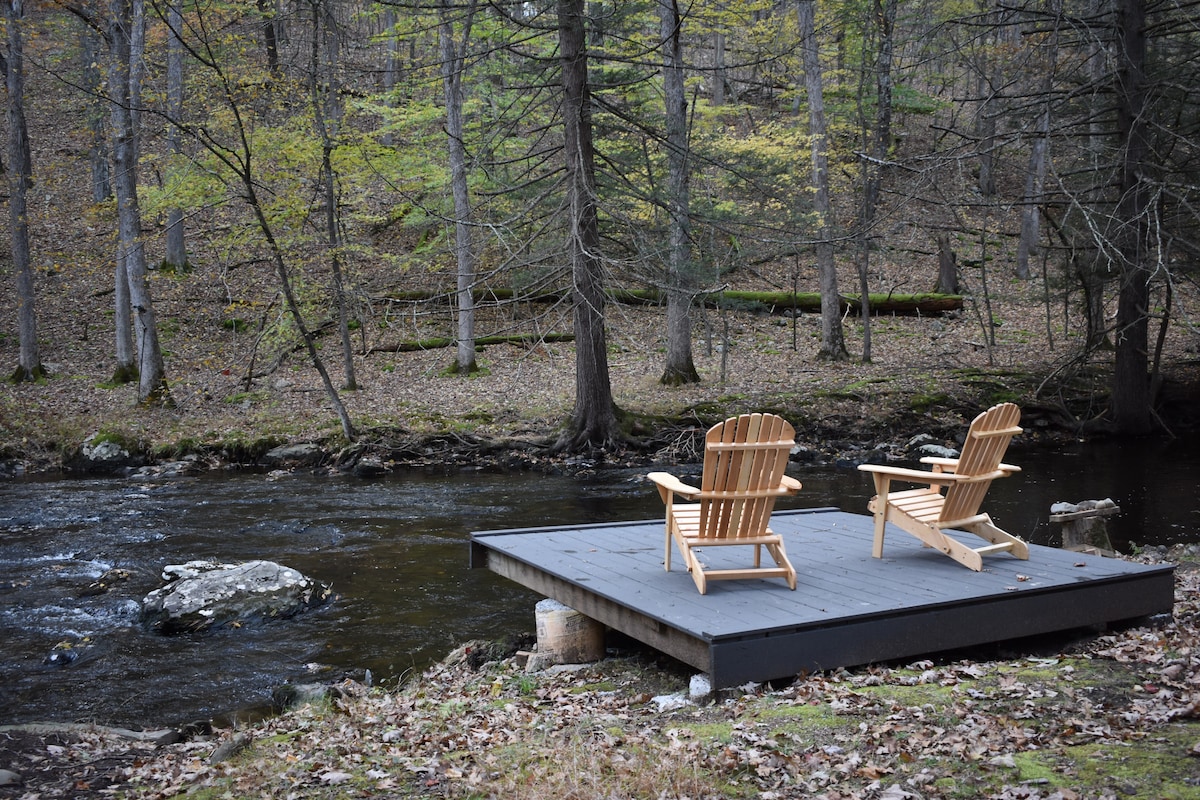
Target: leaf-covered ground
[[1107, 716]]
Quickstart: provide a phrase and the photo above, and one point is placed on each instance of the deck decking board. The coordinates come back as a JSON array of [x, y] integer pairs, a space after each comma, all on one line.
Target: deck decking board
[[848, 608]]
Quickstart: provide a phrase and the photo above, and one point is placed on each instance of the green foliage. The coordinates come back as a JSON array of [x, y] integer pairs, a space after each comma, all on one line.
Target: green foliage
[[244, 398]]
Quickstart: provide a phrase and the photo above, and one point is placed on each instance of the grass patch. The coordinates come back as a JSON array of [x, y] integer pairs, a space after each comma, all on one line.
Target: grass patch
[[1157, 767]]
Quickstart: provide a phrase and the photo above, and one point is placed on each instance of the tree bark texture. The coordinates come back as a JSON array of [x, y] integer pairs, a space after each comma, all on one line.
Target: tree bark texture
[[947, 282], [833, 343], [594, 422], [985, 122], [326, 113], [718, 76], [20, 179], [1035, 174], [391, 65], [126, 16], [883, 13], [680, 367], [1131, 384], [97, 113], [176, 251], [269, 12], [453, 64]]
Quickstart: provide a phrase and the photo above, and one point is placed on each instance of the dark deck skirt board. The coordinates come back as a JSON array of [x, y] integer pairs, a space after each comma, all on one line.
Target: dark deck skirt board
[[848, 608]]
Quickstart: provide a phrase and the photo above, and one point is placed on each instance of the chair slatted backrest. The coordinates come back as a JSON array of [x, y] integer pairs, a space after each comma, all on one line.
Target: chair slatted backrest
[[744, 462], [982, 453]]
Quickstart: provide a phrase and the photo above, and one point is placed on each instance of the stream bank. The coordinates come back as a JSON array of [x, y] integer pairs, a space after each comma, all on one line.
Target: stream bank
[[1102, 717]]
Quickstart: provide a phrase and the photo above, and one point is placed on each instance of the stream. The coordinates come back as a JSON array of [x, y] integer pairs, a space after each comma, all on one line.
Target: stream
[[395, 551]]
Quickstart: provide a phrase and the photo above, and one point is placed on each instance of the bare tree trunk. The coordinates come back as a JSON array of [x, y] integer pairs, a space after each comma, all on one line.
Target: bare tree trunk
[[269, 11], [238, 156], [1131, 384], [97, 112], [680, 367], [833, 343], [718, 76], [391, 62], [947, 282], [453, 64], [100, 112], [20, 179], [1091, 279], [326, 114], [593, 423], [124, 86], [125, 354], [985, 122], [884, 13], [985, 130], [176, 252], [289, 296], [1035, 175]]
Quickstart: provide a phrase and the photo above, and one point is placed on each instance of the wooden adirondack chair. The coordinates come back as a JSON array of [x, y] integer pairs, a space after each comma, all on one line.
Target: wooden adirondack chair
[[926, 512], [744, 460]]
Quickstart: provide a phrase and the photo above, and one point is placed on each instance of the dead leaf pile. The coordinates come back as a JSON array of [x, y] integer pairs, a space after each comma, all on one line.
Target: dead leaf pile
[[1029, 728]]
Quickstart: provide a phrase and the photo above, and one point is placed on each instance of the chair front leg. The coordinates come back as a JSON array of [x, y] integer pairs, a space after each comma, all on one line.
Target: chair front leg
[[879, 506], [670, 522]]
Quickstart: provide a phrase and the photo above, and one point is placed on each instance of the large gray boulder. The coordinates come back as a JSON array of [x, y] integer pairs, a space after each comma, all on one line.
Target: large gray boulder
[[104, 455], [293, 456], [204, 594]]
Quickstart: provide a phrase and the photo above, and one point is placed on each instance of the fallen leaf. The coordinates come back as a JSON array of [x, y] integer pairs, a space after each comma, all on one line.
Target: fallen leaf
[[334, 777]]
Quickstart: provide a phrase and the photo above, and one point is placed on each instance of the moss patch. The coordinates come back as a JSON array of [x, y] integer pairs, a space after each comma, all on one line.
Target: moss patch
[[1158, 766]]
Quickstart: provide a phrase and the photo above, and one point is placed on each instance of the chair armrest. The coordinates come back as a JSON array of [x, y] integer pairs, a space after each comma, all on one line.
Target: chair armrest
[[941, 463], [951, 464], [669, 483], [912, 475], [790, 484]]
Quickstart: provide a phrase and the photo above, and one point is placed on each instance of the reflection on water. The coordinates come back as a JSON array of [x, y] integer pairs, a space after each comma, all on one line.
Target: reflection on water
[[395, 552]]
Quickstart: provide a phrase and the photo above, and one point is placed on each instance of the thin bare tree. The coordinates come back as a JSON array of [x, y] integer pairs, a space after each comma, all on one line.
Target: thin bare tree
[[680, 367], [593, 423], [20, 179], [126, 41], [176, 244], [833, 342], [453, 64], [324, 81]]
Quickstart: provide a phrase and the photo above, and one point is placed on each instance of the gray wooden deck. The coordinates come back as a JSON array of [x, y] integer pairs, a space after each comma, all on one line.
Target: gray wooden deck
[[848, 608]]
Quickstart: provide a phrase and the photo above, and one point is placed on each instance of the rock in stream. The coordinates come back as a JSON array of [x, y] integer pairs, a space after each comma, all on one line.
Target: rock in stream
[[204, 594]]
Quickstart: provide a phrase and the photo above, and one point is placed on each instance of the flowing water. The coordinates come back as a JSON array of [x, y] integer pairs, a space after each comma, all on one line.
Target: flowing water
[[395, 551]]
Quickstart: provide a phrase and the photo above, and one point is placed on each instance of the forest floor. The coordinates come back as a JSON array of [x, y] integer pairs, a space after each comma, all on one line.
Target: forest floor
[[927, 374]]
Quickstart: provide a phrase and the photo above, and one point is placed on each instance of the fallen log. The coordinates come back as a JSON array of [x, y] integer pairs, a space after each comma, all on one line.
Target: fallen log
[[923, 304], [810, 302], [437, 342]]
